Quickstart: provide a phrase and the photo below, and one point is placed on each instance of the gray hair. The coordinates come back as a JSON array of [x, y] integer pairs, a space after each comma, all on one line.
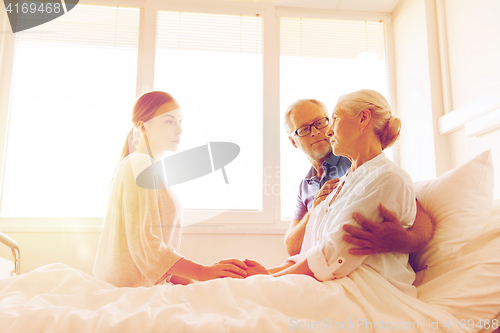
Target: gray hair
[[296, 104]]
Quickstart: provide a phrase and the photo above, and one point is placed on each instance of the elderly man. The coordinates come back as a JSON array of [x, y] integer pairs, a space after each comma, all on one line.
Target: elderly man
[[306, 122]]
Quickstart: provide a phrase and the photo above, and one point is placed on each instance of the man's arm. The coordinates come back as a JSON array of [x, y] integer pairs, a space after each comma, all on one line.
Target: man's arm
[[389, 236], [295, 235]]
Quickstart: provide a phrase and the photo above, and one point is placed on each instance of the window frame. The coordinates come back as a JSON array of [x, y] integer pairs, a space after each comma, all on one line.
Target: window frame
[[267, 221]]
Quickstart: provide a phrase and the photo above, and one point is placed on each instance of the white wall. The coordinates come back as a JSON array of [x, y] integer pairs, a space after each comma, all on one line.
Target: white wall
[[470, 54], [423, 152], [473, 34]]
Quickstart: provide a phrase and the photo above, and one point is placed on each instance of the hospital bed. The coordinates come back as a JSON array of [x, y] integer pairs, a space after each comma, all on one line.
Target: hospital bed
[[458, 285]]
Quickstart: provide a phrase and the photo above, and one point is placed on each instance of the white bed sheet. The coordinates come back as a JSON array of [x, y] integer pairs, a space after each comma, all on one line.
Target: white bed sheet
[[57, 298], [6, 267], [468, 287]]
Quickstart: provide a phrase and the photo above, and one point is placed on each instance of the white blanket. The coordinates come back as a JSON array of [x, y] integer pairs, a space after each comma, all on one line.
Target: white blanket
[[57, 298]]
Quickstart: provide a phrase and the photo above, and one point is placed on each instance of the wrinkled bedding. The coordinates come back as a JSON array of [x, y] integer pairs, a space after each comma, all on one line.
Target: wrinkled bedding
[[57, 298]]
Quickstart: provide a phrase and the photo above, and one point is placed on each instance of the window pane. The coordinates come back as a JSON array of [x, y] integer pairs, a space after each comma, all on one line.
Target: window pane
[[212, 65], [72, 92], [323, 59]]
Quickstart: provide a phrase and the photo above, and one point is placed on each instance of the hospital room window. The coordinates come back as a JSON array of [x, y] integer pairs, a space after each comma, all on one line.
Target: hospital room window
[[212, 64], [323, 59], [73, 86]]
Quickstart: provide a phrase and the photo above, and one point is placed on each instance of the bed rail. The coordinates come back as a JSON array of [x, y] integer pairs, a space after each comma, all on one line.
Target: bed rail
[[15, 252]]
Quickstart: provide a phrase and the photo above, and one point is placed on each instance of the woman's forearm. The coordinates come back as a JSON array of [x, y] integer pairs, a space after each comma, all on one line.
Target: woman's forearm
[[300, 267], [188, 269], [233, 268], [281, 267]]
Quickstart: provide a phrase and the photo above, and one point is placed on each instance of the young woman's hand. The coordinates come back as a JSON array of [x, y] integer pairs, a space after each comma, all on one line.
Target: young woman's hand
[[254, 268], [233, 268]]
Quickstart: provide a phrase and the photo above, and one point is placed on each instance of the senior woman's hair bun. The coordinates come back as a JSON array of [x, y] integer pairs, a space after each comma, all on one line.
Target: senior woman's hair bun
[[386, 126], [391, 132]]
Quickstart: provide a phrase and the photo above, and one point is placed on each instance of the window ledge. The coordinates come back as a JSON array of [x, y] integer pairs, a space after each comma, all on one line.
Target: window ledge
[[278, 229]]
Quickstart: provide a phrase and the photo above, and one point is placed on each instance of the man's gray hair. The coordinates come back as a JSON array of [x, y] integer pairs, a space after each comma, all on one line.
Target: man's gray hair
[[296, 104]]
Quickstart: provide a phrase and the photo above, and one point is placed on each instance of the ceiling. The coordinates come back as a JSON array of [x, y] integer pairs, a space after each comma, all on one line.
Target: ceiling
[[386, 6]]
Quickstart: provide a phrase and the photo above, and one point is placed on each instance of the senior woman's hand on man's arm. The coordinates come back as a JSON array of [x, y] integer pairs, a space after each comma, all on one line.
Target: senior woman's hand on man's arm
[[325, 190], [389, 236], [295, 233]]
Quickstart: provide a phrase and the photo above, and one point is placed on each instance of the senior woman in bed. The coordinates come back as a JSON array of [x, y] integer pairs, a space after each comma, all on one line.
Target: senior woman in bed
[[362, 128]]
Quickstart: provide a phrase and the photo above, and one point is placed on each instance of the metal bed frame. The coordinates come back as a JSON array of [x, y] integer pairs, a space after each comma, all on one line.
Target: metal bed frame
[[15, 252]]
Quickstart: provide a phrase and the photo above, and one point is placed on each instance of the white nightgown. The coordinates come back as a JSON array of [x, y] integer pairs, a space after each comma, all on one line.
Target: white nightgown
[[377, 181]]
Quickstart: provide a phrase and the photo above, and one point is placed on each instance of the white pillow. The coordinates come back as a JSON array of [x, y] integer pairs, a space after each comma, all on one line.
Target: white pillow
[[459, 201]]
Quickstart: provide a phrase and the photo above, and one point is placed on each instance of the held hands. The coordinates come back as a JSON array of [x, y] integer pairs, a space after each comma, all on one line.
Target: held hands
[[325, 190], [388, 236], [233, 268], [254, 268]]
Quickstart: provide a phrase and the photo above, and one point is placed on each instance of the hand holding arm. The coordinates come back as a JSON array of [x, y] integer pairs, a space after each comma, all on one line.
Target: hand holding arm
[[389, 236]]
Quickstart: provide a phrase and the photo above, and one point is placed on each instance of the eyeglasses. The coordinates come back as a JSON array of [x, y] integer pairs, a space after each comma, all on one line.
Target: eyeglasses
[[318, 124]]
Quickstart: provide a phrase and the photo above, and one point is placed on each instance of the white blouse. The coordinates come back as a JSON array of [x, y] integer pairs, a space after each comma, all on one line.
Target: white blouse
[[377, 181], [142, 232]]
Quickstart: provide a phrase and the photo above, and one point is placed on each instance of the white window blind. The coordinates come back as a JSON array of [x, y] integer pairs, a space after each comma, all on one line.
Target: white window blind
[[98, 26], [323, 59], [73, 88], [321, 38], [212, 65], [209, 32]]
